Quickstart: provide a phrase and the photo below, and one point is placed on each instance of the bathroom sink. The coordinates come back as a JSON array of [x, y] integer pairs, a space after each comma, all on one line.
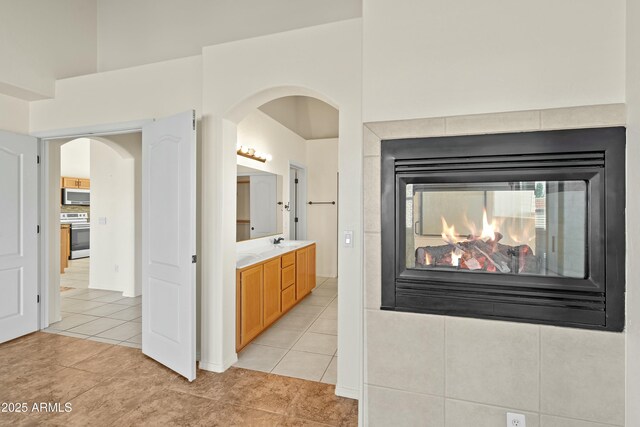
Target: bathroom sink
[[242, 258], [288, 244]]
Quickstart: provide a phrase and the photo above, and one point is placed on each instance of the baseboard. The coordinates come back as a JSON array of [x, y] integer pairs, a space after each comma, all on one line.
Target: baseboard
[[217, 367], [350, 393]]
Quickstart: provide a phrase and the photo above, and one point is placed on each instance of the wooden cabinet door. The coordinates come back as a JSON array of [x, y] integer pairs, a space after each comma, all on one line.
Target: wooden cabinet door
[[251, 294], [68, 182], [272, 278], [311, 267], [84, 183], [301, 274]]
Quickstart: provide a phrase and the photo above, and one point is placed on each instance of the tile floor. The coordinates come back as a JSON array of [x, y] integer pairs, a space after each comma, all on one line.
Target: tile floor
[[303, 343], [113, 385], [103, 316], [76, 275]]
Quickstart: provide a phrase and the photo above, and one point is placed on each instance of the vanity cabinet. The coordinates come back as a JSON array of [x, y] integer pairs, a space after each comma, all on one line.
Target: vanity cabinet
[[251, 305], [267, 290], [305, 271], [272, 290]]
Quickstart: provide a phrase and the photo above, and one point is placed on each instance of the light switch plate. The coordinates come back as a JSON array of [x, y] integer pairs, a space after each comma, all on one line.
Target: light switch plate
[[102, 220], [348, 238]]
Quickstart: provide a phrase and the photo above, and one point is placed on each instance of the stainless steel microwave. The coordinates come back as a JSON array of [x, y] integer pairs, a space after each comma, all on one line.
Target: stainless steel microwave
[[74, 196]]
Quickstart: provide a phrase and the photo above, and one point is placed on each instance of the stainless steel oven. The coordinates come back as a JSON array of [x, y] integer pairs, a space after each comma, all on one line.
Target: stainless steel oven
[[80, 233], [80, 240]]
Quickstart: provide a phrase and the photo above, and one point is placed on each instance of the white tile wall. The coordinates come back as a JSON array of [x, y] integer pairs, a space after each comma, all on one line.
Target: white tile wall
[[406, 351], [582, 374], [389, 407], [493, 362], [555, 376]]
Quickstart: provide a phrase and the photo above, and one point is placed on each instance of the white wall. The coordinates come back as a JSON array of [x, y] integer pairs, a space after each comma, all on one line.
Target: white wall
[[139, 93], [75, 158], [146, 31], [43, 41], [434, 58], [114, 258], [261, 132], [633, 213], [324, 62], [322, 220], [14, 114]]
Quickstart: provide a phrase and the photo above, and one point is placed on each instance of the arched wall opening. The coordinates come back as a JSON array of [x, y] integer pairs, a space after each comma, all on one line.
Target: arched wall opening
[[349, 325], [323, 62]]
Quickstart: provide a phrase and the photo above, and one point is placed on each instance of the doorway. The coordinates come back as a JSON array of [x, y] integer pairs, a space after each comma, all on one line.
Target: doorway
[[100, 238], [297, 196], [297, 335]]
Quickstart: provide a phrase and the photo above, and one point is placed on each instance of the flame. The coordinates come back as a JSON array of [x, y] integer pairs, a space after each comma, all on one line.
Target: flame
[[488, 230], [448, 233], [455, 258], [427, 259]]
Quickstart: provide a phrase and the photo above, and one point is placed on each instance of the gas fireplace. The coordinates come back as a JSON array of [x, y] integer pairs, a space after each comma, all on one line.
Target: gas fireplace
[[525, 226]]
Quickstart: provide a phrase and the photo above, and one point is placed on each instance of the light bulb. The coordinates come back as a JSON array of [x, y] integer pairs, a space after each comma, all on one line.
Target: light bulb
[[269, 157], [244, 149]]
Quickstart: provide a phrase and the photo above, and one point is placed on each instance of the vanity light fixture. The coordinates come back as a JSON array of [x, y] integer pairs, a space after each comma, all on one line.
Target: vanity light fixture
[[252, 153]]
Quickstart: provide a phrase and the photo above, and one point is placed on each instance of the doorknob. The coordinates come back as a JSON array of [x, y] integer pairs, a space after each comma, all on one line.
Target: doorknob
[[252, 228]]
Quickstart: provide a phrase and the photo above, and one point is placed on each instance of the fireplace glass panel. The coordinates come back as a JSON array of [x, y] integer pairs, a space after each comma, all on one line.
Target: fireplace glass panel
[[528, 228]]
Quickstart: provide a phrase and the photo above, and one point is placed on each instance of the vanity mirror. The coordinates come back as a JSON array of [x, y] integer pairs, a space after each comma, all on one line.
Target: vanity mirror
[[259, 204]]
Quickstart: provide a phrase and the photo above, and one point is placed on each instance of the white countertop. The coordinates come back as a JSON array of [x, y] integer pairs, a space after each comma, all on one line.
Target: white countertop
[[262, 253]]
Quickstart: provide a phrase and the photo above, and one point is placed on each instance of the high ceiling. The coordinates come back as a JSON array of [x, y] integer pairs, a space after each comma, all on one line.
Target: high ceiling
[[308, 117]]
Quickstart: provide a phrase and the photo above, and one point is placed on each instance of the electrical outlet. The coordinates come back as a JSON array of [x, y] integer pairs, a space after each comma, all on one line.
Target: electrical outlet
[[516, 420]]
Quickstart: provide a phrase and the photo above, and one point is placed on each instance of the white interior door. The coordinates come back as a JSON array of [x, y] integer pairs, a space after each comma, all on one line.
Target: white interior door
[[263, 205], [168, 242], [18, 235]]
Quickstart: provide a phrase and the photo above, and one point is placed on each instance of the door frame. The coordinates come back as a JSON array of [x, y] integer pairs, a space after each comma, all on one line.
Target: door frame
[[44, 138], [302, 195]]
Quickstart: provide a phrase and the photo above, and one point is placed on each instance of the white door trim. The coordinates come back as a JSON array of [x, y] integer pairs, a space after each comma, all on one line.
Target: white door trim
[[45, 231]]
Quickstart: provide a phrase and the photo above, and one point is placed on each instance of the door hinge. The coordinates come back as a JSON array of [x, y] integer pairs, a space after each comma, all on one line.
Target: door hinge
[[296, 181], [38, 229], [38, 299], [296, 220], [38, 159], [194, 259]]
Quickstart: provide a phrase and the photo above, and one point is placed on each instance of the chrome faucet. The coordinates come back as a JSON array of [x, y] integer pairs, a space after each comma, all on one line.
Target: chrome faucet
[[278, 240]]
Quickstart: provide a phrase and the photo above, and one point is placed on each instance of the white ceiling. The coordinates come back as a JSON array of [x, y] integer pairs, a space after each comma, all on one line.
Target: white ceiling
[[308, 117]]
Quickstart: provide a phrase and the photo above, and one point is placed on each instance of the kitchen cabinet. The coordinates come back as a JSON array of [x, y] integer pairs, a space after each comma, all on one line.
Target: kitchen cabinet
[[65, 246], [80, 183], [267, 290]]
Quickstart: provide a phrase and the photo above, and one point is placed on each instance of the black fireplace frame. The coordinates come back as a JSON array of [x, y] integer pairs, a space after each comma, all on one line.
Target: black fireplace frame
[[594, 155]]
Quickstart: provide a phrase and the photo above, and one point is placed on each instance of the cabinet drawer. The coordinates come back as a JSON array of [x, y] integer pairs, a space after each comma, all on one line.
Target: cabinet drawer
[[288, 297], [288, 276], [288, 259]]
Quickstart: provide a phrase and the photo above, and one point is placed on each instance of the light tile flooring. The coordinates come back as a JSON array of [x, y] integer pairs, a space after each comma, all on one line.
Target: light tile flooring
[[103, 316], [303, 343], [76, 275]]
